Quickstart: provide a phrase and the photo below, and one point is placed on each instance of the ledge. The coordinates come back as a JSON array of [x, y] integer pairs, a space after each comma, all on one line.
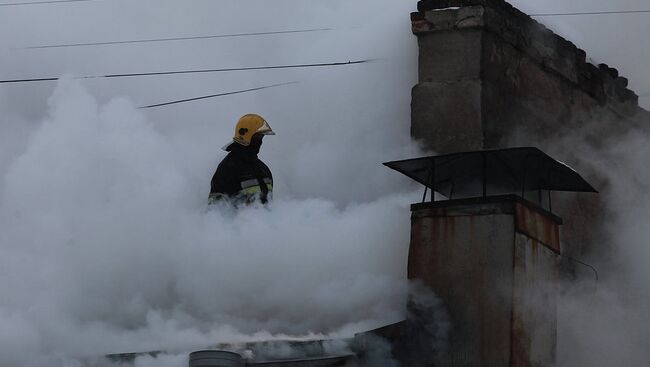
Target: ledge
[[500, 204], [549, 50]]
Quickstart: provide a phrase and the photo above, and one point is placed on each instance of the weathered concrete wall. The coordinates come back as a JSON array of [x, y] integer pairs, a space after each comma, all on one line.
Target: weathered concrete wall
[[490, 260], [490, 77], [446, 104], [534, 314]]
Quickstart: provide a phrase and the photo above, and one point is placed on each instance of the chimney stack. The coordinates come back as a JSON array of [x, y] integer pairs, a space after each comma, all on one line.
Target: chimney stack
[[491, 251]]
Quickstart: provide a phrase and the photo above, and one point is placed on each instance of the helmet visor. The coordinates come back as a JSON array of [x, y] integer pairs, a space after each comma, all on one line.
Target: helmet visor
[[265, 129]]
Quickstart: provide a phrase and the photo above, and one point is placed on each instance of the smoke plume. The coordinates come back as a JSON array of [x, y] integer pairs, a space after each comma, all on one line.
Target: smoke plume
[[605, 322], [106, 243]]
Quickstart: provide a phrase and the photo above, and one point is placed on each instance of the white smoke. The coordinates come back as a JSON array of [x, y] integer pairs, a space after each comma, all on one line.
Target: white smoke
[[605, 322], [107, 247], [106, 244]]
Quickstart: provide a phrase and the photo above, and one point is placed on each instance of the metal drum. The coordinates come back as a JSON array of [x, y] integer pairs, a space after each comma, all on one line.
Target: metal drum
[[215, 358]]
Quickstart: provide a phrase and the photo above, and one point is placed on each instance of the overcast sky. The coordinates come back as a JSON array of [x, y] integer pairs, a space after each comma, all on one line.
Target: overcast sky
[[619, 40]]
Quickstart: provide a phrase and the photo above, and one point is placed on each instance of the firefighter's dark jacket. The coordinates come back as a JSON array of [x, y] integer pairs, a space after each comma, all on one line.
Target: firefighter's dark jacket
[[241, 178]]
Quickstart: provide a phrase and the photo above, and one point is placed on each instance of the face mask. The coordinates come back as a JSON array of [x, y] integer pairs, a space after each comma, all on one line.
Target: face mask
[[256, 143]]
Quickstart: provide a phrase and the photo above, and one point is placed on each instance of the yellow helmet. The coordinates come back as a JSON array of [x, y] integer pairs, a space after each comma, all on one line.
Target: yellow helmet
[[249, 125]]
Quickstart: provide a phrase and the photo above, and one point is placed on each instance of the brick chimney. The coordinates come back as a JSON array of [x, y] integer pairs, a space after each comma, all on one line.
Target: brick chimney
[[488, 71], [490, 252], [490, 76]]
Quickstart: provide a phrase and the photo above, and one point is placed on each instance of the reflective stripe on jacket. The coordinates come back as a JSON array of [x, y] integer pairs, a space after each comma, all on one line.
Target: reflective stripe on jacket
[[242, 179]]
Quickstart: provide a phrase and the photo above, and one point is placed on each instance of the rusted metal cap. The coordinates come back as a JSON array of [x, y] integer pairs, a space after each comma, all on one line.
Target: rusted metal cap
[[492, 172]]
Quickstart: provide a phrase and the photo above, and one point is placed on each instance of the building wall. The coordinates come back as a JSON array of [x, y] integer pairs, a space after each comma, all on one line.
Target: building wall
[[492, 77], [534, 314], [494, 264]]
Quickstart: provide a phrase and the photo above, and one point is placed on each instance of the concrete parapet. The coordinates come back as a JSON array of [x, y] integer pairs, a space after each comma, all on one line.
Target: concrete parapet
[[492, 77], [549, 50], [461, 107]]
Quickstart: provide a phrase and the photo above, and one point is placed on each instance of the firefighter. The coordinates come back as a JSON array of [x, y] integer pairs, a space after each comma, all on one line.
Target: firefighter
[[241, 178]]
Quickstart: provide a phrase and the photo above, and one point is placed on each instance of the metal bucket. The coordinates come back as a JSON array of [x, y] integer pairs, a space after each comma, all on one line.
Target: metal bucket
[[215, 358]]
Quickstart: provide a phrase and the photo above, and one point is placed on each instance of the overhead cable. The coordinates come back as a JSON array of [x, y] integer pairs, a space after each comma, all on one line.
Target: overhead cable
[[216, 95], [195, 71], [591, 13], [179, 38], [45, 2]]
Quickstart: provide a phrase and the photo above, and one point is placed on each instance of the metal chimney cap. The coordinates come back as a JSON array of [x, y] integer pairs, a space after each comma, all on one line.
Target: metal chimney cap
[[491, 172]]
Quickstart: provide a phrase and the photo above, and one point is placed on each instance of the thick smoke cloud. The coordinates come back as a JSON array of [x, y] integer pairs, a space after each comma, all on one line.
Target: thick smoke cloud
[[605, 322], [106, 244]]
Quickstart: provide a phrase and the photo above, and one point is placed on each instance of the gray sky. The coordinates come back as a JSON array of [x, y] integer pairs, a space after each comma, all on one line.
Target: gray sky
[[105, 241], [619, 40]]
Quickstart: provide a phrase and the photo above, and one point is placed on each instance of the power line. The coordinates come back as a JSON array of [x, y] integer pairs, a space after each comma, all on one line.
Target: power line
[[178, 38], [45, 2], [197, 71], [28, 80], [217, 95], [591, 13]]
